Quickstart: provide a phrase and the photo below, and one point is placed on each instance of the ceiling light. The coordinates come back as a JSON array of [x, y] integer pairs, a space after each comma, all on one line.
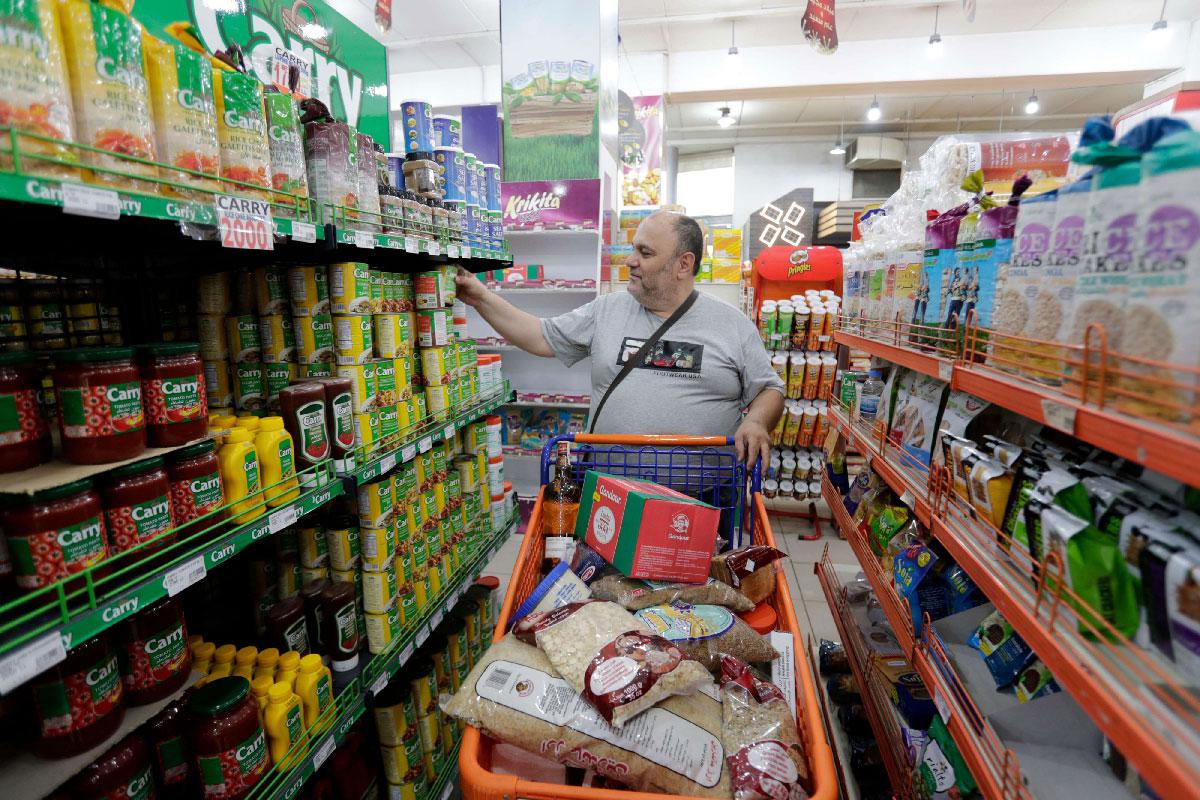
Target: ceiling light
[[838, 149], [1033, 106], [1159, 32], [874, 113], [726, 119], [935, 39], [733, 51]]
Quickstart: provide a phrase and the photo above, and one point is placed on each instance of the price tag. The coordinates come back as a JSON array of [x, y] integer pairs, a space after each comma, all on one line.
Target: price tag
[[1059, 416], [322, 753], [304, 232], [943, 708], [434, 248], [465, 251], [32, 659], [446, 792], [411, 245], [422, 635], [408, 452], [245, 224], [380, 684], [425, 444], [89, 201], [452, 250], [282, 518], [449, 432], [407, 653], [387, 463], [364, 239], [437, 618], [184, 575]]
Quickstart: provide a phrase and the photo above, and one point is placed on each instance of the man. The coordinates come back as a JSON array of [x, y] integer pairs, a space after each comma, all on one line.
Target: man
[[707, 367]]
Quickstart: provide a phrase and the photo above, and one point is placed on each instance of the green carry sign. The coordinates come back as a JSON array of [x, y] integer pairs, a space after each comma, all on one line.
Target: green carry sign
[[347, 67]]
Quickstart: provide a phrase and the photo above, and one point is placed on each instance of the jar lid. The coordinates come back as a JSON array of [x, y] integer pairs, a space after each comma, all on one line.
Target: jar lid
[[138, 467], [55, 492], [761, 618], [85, 354], [216, 697], [169, 348], [16, 357], [192, 450]]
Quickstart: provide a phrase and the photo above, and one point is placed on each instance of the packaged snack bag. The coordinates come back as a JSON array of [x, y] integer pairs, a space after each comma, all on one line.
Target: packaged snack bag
[[242, 131], [287, 151], [185, 112]]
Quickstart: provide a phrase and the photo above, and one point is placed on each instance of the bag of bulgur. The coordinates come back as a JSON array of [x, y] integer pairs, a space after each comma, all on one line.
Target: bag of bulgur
[[515, 695], [703, 633], [611, 658], [185, 112], [634, 594], [750, 570], [762, 744]]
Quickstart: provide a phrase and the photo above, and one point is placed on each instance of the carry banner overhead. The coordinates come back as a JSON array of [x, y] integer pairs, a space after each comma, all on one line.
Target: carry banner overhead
[[347, 68]]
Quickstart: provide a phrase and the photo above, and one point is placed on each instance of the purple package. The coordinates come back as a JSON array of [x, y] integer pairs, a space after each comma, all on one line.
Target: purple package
[[937, 272]]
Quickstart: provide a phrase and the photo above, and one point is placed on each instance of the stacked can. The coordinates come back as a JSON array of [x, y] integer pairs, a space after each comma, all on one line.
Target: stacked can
[[313, 323], [399, 739], [804, 423], [803, 322]]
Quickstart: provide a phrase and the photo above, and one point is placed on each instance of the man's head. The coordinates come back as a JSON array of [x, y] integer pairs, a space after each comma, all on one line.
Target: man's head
[[666, 258]]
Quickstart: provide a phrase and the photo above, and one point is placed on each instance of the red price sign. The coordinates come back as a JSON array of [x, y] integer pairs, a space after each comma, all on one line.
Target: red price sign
[[244, 223]]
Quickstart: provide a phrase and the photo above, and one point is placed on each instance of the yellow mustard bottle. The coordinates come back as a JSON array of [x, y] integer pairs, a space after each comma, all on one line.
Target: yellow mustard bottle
[[283, 721], [276, 461], [222, 665], [267, 663], [244, 660], [314, 684], [288, 668], [259, 688], [202, 656], [220, 426], [238, 460], [248, 421]]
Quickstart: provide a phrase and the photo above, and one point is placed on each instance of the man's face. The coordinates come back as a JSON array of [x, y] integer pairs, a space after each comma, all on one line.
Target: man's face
[[653, 265]]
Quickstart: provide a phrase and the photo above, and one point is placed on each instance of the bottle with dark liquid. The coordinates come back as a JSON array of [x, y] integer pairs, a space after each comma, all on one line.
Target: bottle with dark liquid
[[560, 504]]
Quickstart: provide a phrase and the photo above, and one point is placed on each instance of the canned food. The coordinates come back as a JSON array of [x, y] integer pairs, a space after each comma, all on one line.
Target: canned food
[[364, 392], [349, 288], [434, 366], [278, 339], [408, 790], [385, 381], [375, 503], [214, 344], [314, 547], [428, 290], [378, 589], [467, 475], [378, 547], [249, 387], [270, 290], [437, 400], [429, 503], [342, 541], [378, 305], [406, 337], [425, 471], [385, 330], [310, 574], [241, 333], [215, 296], [405, 293], [322, 370], [404, 375], [352, 339], [314, 339], [290, 579], [382, 628], [449, 287], [278, 376], [366, 428], [405, 483], [431, 328], [389, 420], [346, 576], [310, 291]]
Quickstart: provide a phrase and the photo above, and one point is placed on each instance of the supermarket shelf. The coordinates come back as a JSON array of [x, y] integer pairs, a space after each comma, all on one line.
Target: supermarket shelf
[[498, 347], [908, 478], [41, 638], [544, 290], [384, 666], [25, 775], [548, 404], [588, 232], [422, 437], [923, 362], [59, 472]]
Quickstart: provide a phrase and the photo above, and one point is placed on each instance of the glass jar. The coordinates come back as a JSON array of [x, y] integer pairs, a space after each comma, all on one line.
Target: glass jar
[[169, 750], [441, 218], [228, 743], [24, 434], [78, 703], [392, 209], [54, 533], [174, 394], [137, 506], [412, 211], [154, 654], [194, 475], [99, 394], [122, 773]]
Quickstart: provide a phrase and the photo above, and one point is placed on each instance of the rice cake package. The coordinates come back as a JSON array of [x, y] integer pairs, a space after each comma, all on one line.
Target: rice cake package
[[993, 248], [960, 409], [633, 594], [704, 632], [646, 530], [611, 658], [750, 570], [1017, 287], [515, 695], [915, 415], [185, 114]]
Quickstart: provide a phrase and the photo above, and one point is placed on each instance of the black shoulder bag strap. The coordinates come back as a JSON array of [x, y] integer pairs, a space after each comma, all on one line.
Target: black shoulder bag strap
[[635, 360]]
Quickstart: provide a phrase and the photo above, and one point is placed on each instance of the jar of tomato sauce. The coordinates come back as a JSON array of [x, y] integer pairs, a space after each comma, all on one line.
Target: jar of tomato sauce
[[153, 650], [54, 533], [122, 773], [137, 506], [24, 434], [195, 477], [166, 736], [173, 392], [79, 703], [227, 740], [99, 393]]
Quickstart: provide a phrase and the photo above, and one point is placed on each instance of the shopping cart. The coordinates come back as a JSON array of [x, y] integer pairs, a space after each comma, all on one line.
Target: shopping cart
[[699, 465]]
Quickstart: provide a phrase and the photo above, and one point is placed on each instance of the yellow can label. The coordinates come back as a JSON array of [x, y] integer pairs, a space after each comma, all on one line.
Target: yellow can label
[[249, 386], [363, 393], [467, 475], [309, 290], [389, 420], [366, 428], [314, 338], [375, 503], [278, 339], [404, 366], [382, 628], [378, 547], [385, 382], [406, 339], [241, 333], [378, 589], [352, 339], [310, 574], [324, 370], [214, 344], [434, 367], [314, 548], [437, 399], [385, 335], [396, 724], [215, 297], [343, 545], [271, 290], [349, 288]]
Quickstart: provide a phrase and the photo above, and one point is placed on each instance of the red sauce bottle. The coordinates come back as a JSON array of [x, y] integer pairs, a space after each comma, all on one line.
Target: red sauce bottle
[[169, 750], [228, 743], [24, 434], [153, 650], [303, 408], [78, 703], [54, 533], [286, 626], [173, 392], [122, 773], [339, 416], [195, 478], [137, 506], [339, 620], [99, 393]]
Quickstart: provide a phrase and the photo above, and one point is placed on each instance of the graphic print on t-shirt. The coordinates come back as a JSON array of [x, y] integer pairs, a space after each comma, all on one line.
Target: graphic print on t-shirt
[[666, 355]]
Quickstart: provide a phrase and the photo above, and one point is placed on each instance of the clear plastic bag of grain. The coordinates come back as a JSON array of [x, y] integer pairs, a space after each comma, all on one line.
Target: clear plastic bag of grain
[[611, 658], [515, 695], [634, 595], [762, 743], [704, 632], [750, 570]]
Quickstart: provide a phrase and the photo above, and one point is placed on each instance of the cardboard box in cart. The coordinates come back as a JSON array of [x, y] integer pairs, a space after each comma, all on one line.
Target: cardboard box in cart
[[646, 530]]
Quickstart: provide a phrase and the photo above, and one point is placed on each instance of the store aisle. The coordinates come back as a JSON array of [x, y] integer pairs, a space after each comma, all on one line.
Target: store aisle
[[812, 611]]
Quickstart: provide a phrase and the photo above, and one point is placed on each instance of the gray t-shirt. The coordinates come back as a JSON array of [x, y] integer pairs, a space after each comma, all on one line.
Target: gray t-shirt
[[707, 367]]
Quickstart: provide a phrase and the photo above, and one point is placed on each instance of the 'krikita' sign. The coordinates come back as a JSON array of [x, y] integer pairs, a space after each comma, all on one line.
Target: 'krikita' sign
[[348, 67], [551, 205]]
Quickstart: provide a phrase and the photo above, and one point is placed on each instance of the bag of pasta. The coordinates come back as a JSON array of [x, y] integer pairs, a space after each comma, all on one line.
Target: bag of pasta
[[762, 743]]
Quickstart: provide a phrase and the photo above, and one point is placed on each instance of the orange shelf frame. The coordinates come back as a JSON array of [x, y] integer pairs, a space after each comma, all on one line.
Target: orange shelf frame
[[907, 477], [928, 363]]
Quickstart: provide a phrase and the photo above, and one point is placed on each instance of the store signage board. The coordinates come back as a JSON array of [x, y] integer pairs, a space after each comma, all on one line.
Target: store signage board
[[347, 66], [243, 223], [551, 205]]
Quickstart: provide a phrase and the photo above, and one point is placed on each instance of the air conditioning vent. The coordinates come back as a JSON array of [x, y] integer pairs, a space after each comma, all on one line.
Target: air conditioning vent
[[875, 152]]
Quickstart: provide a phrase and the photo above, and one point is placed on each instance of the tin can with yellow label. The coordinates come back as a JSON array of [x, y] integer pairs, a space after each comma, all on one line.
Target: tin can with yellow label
[[290, 579], [391, 293], [406, 483], [352, 339], [425, 473], [217, 384], [405, 293], [382, 628], [375, 503], [404, 374], [385, 381], [346, 576], [404, 414], [379, 589], [384, 335], [277, 377], [349, 288], [241, 333], [422, 406], [314, 547], [314, 338], [449, 287], [365, 390], [343, 542], [378, 547], [467, 475], [377, 292], [271, 290], [437, 400], [214, 343], [322, 370], [249, 387], [311, 574], [406, 336], [215, 294], [278, 339], [434, 365], [429, 503], [309, 290], [389, 420], [366, 428]]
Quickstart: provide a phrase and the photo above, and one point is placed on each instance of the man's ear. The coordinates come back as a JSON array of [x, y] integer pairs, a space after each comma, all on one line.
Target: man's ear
[[687, 265]]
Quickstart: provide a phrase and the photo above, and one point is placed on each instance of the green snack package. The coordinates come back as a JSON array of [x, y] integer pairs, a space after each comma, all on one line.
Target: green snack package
[[942, 767], [886, 524]]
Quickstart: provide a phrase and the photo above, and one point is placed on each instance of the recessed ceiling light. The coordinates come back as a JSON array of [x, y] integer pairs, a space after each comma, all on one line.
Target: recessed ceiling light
[[726, 119], [874, 113], [1033, 106]]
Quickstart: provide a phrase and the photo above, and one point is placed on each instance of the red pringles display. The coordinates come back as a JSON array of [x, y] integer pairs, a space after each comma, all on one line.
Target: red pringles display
[[99, 393], [137, 505], [173, 393], [24, 434], [54, 533], [79, 703], [195, 479], [153, 650]]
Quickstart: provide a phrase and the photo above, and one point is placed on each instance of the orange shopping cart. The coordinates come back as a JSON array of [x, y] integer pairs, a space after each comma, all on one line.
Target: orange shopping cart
[[700, 465]]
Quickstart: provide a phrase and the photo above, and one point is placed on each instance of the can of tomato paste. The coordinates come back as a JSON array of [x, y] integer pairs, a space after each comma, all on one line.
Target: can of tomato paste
[[432, 330]]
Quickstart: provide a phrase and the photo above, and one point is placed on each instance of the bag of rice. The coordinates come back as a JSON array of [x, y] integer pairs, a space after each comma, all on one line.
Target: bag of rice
[[705, 632], [634, 594], [242, 131], [515, 695], [764, 751], [750, 570], [288, 173], [611, 658], [185, 117]]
